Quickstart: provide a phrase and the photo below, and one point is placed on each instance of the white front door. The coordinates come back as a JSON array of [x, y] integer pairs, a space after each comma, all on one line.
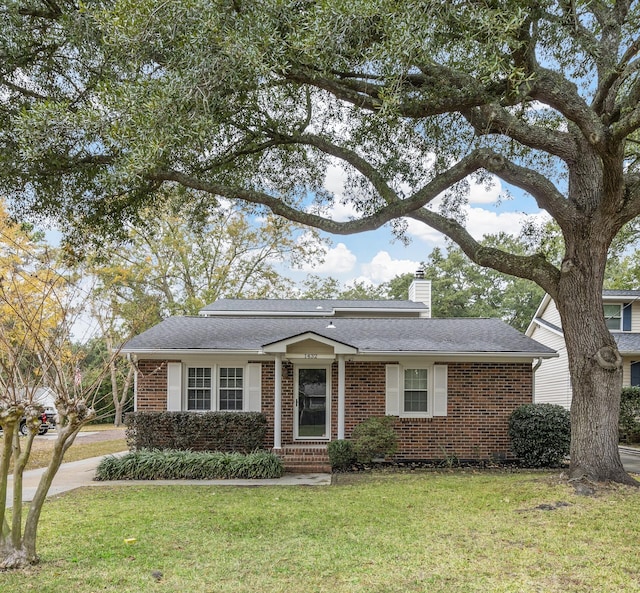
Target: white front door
[[312, 402]]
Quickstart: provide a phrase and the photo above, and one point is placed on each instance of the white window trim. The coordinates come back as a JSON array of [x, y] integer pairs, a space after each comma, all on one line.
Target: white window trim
[[430, 391], [621, 315], [185, 386], [215, 385], [437, 390]]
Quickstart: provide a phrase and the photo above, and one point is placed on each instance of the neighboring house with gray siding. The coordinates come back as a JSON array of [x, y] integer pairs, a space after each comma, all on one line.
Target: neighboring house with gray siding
[[316, 368], [552, 383]]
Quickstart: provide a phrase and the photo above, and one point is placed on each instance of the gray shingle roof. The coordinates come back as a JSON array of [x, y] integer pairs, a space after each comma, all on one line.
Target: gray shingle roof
[[627, 342], [308, 306], [367, 335]]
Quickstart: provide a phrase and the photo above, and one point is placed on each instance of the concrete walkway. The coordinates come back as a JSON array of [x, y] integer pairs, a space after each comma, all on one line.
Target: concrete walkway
[[77, 474]]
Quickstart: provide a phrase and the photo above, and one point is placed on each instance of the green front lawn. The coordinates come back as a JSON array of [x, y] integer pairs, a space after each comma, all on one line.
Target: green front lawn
[[369, 533]]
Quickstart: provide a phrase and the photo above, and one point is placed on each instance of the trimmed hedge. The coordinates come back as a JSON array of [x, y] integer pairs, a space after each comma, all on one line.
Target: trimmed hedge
[[171, 464], [208, 431], [540, 434], [630, 414]]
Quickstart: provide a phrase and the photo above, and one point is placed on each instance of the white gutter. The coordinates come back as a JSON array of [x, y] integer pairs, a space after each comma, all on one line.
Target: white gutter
[[459, 354], [533, 379], [193, 351], [188, 351], [324, 313]]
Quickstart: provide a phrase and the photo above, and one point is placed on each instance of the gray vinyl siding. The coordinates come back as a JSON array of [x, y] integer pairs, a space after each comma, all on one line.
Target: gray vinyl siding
[[551, 314], [551, 382], [635, 317]]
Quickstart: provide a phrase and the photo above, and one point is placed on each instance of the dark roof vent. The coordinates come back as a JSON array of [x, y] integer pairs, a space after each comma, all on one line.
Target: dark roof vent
[[419, 274]]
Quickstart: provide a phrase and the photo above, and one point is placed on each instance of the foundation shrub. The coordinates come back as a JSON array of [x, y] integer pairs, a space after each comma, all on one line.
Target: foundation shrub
[[341, 454], [540, 434], [630, 415], [373, 438], [171, 464]]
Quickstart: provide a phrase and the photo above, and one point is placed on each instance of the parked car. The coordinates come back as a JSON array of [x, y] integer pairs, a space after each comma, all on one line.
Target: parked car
[[45, 424]]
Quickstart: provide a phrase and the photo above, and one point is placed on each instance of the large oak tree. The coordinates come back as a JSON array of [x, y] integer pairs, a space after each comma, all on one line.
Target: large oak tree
[[252, 100]]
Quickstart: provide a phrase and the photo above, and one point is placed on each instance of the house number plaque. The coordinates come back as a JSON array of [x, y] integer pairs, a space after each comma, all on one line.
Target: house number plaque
[[311, 356]]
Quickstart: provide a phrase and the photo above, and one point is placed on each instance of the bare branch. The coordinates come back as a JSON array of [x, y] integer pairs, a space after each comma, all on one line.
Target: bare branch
[[613, 77]]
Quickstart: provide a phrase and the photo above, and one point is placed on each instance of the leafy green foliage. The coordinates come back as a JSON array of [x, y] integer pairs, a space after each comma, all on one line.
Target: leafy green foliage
[[180, 257], [170, 464], [209, 431], [374, 437], [630, 414], [540, 434], [341, 454], [465, 289]]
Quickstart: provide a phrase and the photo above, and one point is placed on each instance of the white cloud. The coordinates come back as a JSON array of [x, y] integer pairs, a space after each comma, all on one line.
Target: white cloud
[[481, 222], [383, 268], [480, 194], [337, 260], [334, 179], [422, 232]]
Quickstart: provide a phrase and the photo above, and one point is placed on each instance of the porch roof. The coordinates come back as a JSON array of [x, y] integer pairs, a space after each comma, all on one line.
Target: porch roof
[[365, 335]]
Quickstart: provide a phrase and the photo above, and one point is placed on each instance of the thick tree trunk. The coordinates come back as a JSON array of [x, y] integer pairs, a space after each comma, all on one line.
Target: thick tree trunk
[[595, 367]]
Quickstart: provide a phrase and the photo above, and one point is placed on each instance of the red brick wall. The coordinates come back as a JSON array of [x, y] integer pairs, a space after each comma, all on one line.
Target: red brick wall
[[481, 397], [152, 386]]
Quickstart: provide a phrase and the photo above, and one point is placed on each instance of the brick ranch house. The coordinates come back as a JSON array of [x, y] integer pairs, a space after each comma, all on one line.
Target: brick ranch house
[[316, 368]]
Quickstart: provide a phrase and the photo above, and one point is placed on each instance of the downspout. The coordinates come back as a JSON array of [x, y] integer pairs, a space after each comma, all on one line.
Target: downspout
[[133, 360], [341, 395], [533, 381]]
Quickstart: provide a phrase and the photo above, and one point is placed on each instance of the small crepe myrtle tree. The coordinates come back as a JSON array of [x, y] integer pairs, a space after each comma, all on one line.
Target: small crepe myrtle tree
[[39, 307]]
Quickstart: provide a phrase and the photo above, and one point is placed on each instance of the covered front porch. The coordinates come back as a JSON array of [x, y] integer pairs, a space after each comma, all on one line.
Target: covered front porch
[[309, 383]]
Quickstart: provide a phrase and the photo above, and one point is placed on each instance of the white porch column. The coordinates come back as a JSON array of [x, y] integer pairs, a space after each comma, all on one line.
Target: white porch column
[[341, 395], [277, 404]]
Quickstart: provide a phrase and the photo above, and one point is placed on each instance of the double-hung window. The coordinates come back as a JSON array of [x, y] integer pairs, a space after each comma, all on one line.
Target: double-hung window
[[416, 391], [613, 316], [215, 388], [231, 388], [199, 388]]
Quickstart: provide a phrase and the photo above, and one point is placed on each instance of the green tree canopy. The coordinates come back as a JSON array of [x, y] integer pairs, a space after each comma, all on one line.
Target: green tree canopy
[[253, 100]]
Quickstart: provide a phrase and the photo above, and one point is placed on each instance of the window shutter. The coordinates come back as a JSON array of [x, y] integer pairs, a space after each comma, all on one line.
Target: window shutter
[[174, 386], [254, 388], [393, 390], [440, 390], [626, 317], [635, 374]]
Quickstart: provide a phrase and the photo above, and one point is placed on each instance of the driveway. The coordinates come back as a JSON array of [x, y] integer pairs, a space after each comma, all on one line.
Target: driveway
[[630, 459]]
